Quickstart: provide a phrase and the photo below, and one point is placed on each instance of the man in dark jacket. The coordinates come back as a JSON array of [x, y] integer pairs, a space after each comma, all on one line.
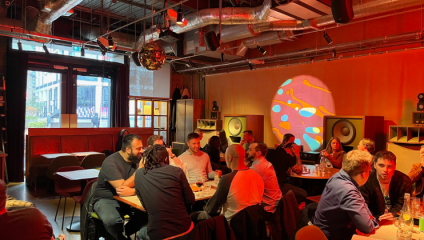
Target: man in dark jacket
[[386, 187]]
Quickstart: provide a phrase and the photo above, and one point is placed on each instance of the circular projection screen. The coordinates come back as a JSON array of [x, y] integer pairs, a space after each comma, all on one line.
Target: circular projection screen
[[299, 107]]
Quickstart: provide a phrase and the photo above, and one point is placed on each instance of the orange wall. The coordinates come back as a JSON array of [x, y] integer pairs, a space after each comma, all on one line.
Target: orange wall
[[380, 85]]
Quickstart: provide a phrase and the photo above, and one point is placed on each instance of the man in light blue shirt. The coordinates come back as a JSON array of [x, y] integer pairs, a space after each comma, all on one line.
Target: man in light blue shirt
[[342, 209]]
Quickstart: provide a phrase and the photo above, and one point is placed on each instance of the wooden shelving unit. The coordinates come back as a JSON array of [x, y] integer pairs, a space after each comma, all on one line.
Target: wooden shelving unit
[[406, 134], [209, 124]]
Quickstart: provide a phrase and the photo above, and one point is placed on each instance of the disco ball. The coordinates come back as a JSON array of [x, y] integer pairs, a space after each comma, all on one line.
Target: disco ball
[[152, 56]]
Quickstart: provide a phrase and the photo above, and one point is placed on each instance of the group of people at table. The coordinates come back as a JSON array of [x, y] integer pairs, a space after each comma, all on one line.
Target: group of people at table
[[367, 190]]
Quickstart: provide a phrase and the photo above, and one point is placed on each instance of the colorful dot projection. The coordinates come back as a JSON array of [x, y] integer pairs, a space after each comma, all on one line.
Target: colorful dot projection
[[299, 108]]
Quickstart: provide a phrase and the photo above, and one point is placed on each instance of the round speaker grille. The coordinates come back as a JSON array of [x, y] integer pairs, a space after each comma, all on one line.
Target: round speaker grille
[[235, 126], [345, 131]]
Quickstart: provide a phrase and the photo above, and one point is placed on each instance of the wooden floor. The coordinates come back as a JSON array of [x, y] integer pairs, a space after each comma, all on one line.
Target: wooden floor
[[47, 205]]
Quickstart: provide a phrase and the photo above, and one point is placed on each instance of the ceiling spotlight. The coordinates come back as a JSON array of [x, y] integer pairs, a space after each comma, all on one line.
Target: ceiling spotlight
[[103, 48], [334, 53], [250, 66], [261, 49], [82, 51], [135, 59], [180, 15], [235, 3], [327, 38], [20, 45], [110, 41], [45, 49], [222, 56]]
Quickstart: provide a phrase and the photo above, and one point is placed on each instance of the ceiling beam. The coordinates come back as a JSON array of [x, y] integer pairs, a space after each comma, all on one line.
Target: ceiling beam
[[138, 5]]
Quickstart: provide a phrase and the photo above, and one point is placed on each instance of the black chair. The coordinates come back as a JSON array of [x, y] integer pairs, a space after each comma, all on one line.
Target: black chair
[[249, 224]]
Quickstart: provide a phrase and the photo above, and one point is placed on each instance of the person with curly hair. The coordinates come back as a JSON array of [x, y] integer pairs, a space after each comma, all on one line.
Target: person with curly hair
[[166, 195]]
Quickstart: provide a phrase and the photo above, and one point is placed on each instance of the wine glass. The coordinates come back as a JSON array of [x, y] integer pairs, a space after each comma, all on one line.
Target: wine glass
[[199, 183]]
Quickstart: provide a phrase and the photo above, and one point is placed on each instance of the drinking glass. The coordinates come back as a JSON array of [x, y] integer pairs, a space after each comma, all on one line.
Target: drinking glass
[[199, 184], [415, 206], [404, 235]]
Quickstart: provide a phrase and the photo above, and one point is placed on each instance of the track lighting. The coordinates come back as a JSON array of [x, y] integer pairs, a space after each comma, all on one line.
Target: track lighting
[[180, 15], [45, 49], [334, 53], [261, 49], [327, 38], [20, 45], [250, 66], [222, 56]]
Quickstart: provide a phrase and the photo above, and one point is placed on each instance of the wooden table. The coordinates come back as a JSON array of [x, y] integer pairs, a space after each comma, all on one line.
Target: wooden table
[[135, 202], [389, 232], [80, 174], [74, 176], [329, 173], [55, 155], [83, 154]]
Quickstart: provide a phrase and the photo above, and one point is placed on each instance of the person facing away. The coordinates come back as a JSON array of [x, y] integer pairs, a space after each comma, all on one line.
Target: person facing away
[[121, 135], [223, 140], [367, 145], [385, 189], [342, 209], [416, 176], [285, 159], [116, 177], [198, 162], [334, 153], [237, 190], [247, 139], [256, 161], [35, 223], [165, 193]]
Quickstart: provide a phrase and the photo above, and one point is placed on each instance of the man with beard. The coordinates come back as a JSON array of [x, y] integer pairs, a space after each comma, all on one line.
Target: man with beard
[[257, 162], [116, 177]]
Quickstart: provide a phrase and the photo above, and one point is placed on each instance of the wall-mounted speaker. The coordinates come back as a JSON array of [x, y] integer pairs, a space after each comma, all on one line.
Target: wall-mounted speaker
[[350, 130], [342, 10], [212, 41], [417, 118], [215, 115], [235, 125]]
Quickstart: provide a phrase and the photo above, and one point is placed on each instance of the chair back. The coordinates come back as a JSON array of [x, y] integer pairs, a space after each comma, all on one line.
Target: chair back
[[249, 223], [305, 233], [93, 161], [212, 228], [62, 161], [290, 215], [64, 186], [86, 190], [176, 151]]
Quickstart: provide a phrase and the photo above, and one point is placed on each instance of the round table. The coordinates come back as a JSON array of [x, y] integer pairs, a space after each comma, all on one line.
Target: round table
[[327, 175]]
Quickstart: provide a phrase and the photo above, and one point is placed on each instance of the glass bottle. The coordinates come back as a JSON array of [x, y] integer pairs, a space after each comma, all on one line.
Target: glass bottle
[[406, 220]]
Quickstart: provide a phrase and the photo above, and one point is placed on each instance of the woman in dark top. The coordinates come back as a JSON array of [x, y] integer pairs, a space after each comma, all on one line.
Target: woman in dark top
[[165, 193], [212, 149], [224, 141], [121, 135], [333, 153]]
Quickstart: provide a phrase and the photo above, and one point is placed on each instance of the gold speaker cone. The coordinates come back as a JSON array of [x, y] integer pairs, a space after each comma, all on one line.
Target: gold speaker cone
[[235, 126], [345, 131]]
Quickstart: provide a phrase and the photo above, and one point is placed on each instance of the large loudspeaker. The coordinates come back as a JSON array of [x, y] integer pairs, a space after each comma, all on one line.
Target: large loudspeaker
[[350, 130], [212, 41], [342, 10], [235, 125]]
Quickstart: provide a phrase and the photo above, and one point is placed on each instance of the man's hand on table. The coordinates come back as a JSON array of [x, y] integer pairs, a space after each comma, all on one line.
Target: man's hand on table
[[297, 169], [125, 191], [386, 217]]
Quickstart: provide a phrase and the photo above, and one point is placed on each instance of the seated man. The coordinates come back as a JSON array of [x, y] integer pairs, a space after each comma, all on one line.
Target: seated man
[[198, 131], [237, 190], [116, 177], [416, 176], [164, 192], [247, 139], [173, 160], [257, 162], [28, 223], [385, 189], [342, 209], [198, 163]]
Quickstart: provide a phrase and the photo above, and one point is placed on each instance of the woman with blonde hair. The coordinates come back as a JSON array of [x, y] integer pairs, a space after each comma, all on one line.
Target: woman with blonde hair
[[333, 153]]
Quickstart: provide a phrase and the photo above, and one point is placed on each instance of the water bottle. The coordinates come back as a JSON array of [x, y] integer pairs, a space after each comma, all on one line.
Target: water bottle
[[406, 220]]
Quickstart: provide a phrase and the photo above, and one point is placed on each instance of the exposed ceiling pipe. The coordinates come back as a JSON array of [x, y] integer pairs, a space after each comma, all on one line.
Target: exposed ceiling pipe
[[121, 39], [57, 9], [405, 36], [204, 17]]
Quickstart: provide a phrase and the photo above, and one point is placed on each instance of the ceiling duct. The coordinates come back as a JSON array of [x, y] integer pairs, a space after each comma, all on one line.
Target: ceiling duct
[[55, 10], [204, 17], [121, 39]]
